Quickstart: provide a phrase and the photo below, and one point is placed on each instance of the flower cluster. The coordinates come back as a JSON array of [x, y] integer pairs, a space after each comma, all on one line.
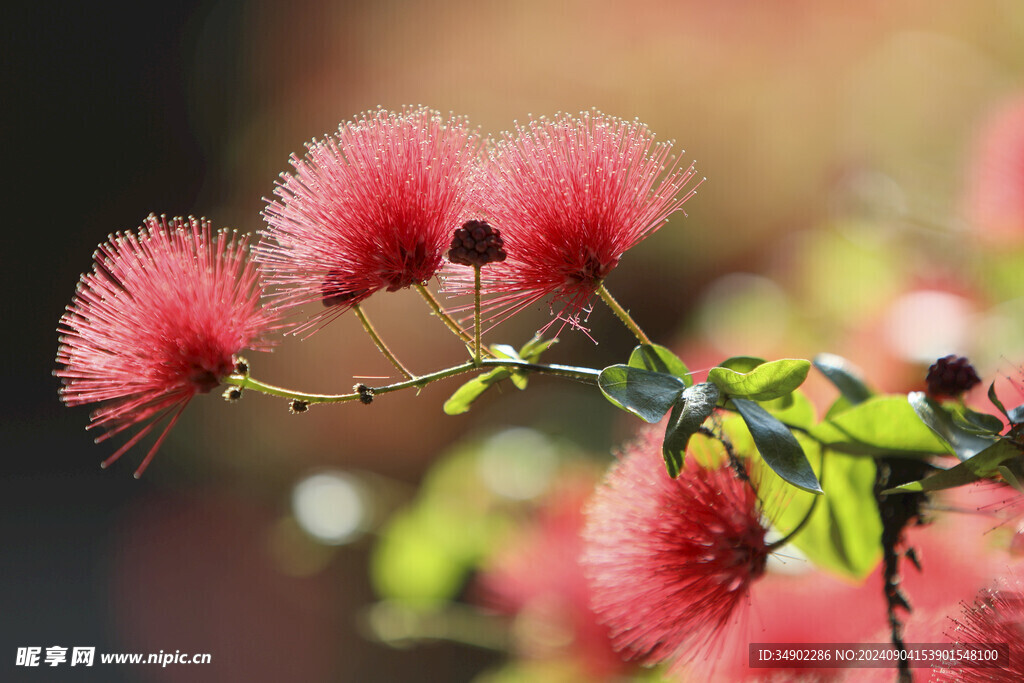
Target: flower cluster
[[157, 321], [375, 207]]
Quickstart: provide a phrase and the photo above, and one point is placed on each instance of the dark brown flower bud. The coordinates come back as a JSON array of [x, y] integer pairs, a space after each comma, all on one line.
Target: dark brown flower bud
[[951, 376], [476, 244], [297, 406], [365, 393], [232, 394]]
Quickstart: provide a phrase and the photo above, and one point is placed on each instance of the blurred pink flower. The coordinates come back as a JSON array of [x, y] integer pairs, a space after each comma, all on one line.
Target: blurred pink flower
[[156, 322], [570, 196], [996, 617], [995, 183], [372, 208], [671, 560], [537, 575]]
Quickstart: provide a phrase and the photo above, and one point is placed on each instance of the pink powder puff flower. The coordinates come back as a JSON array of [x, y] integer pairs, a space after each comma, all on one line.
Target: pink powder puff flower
[[372, 208], [156, 322], [996, 617], [994, 197], [671, 560], [570, 196]]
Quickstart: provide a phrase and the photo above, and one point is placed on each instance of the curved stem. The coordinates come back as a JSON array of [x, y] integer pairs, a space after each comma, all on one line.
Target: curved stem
[[368, 326], [435, 306], [588, 375], [623, 314], [807, 517]]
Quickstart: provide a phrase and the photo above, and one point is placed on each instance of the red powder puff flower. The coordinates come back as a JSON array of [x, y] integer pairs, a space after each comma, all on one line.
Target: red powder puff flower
[[997, 617], [671, 560], [372, 208], [156, 322], [994, 198], [570, 196]]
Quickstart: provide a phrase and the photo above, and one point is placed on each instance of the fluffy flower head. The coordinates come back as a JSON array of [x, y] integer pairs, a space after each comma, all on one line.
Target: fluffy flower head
[[996, 617], [570, 196], [671, 560], [373, 207], [156, 322]]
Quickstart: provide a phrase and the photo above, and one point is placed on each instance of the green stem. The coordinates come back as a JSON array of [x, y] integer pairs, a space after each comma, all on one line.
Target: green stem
[[435, 306], [588, 375], [368, 326], [476, 312], [623, 314], [810, 511]]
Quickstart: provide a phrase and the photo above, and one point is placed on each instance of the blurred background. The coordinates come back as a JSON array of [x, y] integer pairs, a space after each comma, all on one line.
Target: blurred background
[[865, 197]]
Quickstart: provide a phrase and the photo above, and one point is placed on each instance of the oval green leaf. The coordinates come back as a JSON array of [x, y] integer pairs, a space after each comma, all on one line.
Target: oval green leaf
[[694, 406], [881, 425], [844, 375], [741, 363], [461, 401], [844, 531], [964, 444], [648, 395], [764, 382], [659, 359], [777, 446], [984, 464]]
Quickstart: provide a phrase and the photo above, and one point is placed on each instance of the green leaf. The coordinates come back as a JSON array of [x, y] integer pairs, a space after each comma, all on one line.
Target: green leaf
[[965, 445], [532, 350], [1016, 415], [648, 395], [531, 353], [689, 412], [741, 363], [839, 405], [1013, 473], [995, 400], [881, 425], [777, 446], [793, 410], [984, 464], [461, 401], [504, 351], [975, 422], [844, 375], [844, 531], [764, 382], [659, 359]]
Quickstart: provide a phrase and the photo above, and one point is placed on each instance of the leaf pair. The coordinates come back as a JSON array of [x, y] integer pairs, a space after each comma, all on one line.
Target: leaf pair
[[655, 381]]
